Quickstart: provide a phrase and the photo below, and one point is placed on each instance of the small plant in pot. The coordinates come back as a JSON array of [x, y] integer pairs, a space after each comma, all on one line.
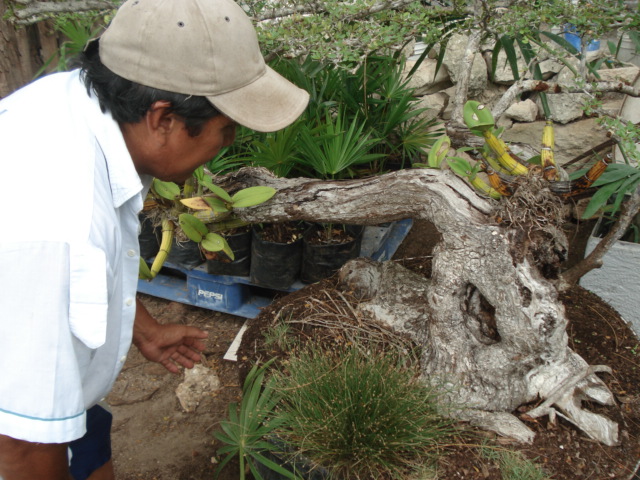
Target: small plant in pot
[[198, 217], [243, 434], [276, 254], [329, 152], [327, 247], [239, 241]]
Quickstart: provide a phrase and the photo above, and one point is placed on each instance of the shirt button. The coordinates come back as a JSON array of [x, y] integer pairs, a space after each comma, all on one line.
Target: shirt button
[[129, 302], [123, 359], [131, 253]]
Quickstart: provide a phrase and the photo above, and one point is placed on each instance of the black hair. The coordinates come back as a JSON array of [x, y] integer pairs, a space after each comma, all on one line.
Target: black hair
[[128, 102]]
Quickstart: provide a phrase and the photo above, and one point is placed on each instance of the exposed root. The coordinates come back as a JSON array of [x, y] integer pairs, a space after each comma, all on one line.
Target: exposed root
[[567, 396], [532, 207], [536, 216]]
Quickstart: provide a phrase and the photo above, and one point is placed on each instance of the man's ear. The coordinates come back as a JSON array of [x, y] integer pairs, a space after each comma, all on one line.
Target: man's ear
[[160, 121]]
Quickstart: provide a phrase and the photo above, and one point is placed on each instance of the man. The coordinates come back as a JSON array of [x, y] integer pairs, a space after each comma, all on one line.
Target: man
[[157, 95]]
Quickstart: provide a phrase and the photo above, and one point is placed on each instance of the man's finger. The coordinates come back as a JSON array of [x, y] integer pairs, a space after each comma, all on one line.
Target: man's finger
[[195, 332]]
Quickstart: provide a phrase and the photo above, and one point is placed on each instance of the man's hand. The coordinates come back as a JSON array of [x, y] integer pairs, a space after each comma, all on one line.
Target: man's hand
[[170, 345]]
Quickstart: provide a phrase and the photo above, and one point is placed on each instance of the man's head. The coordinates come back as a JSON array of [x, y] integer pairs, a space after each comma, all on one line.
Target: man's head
[[204, 48], [164, 68]]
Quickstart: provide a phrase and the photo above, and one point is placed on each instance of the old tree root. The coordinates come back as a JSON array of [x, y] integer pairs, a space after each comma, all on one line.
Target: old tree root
[[490, 324]]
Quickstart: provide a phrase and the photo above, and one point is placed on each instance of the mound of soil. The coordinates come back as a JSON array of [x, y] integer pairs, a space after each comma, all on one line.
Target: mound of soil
[[596, 332]]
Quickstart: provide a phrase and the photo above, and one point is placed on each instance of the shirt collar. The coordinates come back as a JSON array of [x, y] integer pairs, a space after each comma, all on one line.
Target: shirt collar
[[124, 180]]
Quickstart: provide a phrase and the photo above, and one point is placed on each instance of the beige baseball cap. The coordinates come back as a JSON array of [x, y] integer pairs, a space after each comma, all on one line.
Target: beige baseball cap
[[201, 47]]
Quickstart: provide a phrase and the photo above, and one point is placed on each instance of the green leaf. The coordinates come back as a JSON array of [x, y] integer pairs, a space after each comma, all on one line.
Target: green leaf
[[535, 160], [439, 151], [512, 58], [251, 196], [168, 190], [217, 204], [213, 242], [628, 186], [561, 41], [207, 182], [615, 172], [199, 174], [477, 117], [460, 166], [227, 249], [600, 198], [219, 192], [192, 227], [273, 466]]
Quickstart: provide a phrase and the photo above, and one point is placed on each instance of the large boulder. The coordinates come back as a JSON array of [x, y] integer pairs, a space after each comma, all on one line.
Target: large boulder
[[453, 62], [426, 80], [571, 139]]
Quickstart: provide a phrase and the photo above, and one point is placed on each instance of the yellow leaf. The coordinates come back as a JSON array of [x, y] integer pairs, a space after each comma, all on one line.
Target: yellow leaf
[[195, 203]]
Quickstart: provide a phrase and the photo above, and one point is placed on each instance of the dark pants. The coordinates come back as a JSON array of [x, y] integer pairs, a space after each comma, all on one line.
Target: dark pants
[[93, 450]]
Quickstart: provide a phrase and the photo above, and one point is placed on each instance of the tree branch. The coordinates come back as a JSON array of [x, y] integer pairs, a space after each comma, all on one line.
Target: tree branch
[[36, 10], [438, 195], [319, 7], [629, 210], [464, 76], [552, 88], [275, 13]]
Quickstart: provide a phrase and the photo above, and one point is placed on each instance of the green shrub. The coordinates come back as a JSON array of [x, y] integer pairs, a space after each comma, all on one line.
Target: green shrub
[[357, 415]]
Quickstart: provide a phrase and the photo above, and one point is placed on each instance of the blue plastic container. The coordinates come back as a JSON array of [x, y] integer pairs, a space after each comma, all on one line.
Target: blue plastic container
[[571, 36]]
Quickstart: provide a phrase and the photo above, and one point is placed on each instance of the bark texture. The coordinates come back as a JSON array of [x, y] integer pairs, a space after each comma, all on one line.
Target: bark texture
[[492, 327], [23, 50]]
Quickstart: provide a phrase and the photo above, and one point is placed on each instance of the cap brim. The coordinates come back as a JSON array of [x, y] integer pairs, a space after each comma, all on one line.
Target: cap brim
[[266, 105]]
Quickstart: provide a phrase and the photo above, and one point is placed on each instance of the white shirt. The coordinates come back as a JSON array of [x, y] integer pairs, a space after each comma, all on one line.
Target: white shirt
[[69, 257]]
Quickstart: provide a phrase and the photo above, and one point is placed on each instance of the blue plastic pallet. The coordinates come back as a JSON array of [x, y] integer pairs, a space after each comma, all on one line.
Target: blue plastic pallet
[[237, 295]]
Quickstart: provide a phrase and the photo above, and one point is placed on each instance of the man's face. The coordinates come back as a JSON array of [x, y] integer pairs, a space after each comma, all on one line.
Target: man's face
[[160, 144], [183, 153]]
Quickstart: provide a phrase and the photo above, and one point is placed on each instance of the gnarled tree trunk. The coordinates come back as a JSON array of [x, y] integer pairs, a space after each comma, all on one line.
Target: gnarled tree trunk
[[491, 326]]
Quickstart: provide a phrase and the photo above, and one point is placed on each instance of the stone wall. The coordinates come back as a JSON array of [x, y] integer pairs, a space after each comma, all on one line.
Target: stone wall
[[524, 120]]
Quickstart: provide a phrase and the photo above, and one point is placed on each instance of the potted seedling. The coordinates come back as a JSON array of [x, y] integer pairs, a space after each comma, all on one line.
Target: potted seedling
[[276, 254], [197, 216], [330, 152]]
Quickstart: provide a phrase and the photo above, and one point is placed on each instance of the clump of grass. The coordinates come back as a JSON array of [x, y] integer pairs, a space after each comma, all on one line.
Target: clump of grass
[[358, 415], [514, 465], [279, 335]]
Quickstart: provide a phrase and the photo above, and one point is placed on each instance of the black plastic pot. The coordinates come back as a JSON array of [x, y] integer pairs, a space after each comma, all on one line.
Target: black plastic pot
[[240, 244], [323, 260], [148, 238], [186, 255], [274, 265]]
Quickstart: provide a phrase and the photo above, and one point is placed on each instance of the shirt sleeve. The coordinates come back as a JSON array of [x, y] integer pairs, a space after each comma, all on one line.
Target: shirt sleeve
[[41, 398]]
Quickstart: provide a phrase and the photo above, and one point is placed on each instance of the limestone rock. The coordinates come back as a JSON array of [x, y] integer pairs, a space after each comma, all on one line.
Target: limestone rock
[[436, 104], [571, 139], [625, 75], [425, 80], [526, 111], [453, 61], [199, 382]]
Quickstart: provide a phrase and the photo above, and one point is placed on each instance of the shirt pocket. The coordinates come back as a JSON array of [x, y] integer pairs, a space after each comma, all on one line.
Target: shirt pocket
[[88, 295]]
